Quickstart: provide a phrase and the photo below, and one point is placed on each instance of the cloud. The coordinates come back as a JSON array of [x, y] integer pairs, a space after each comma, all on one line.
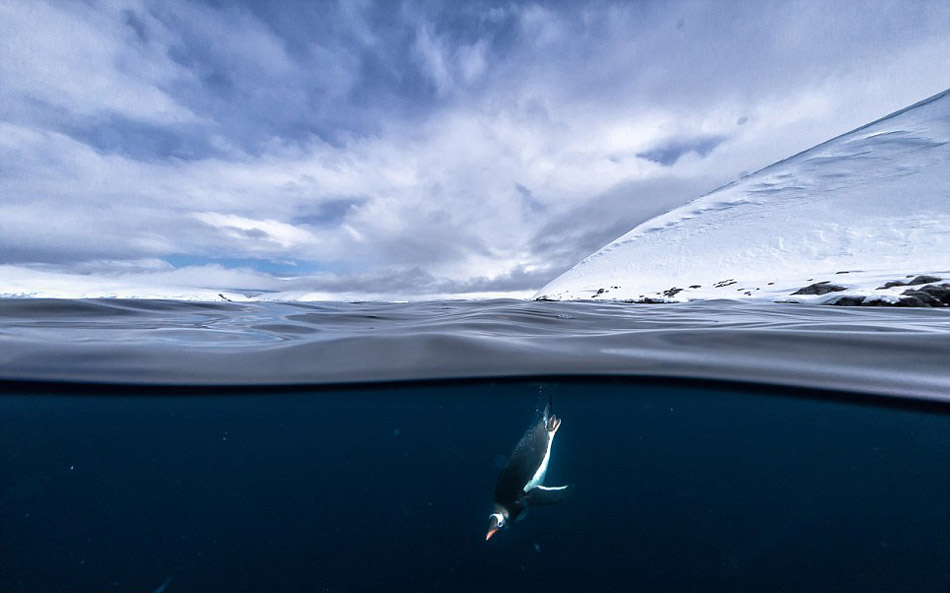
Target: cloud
[[266, 233], [338, 147], [62, 61]]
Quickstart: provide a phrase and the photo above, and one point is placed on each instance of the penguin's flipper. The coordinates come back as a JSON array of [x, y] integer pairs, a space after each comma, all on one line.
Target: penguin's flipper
[[547, 494]]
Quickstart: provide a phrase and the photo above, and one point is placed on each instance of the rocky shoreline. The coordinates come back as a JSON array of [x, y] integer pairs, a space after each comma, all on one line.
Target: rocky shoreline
[[932, 295], [921, 291]]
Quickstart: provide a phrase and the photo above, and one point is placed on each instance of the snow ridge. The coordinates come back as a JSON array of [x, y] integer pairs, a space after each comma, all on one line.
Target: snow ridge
[[865, 208]]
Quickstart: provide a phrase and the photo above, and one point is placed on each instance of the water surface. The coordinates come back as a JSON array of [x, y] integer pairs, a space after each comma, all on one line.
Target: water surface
[[895, 352]]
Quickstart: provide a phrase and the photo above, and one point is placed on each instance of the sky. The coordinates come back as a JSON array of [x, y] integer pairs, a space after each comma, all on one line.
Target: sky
[[406, 150]]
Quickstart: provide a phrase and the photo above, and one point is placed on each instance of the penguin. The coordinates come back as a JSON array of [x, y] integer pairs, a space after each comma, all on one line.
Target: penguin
[[520, 483]]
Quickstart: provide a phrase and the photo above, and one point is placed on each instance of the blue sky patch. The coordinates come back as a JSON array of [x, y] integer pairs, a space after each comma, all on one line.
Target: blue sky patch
[[671, 151]]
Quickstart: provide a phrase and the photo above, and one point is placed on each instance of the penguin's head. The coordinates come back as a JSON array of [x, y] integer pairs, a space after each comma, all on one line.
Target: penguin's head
[[495, 522]]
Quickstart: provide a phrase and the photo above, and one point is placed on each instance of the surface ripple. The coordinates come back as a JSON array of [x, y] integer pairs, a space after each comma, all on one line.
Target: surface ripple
[[900, 352]]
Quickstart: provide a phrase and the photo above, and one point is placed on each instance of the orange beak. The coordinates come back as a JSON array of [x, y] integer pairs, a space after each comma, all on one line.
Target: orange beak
[[491, 532]]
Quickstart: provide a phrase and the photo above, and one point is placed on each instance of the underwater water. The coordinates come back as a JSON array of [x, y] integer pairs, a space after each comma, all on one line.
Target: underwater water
[[676, 488], [159, 446]]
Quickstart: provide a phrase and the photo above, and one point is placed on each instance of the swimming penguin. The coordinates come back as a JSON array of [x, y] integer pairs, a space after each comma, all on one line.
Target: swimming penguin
[[520, 481]]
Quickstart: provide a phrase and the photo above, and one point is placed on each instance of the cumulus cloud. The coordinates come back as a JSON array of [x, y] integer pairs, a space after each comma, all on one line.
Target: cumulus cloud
[[409, 149]]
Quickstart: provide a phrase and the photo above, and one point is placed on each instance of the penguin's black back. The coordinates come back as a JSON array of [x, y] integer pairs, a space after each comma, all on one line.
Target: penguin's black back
[[522, 465]]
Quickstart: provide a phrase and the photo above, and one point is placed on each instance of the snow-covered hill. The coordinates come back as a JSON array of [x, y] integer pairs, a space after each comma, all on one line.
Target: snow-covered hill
[[869, 207]]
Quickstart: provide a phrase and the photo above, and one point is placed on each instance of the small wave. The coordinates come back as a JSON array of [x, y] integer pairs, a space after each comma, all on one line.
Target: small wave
[[894, 352]]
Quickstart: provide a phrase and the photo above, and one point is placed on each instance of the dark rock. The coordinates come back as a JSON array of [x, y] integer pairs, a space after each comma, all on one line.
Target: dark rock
[[695, 285], [911, 301], [672, 292], [924, 280], [935, 295], [881, 303], [891, 284], [937, 288], [723, 283], [771, 284], [848, 301], [926, 299], [820, 288], [915, 282], [904, 301], [599, 292], [645, 301]]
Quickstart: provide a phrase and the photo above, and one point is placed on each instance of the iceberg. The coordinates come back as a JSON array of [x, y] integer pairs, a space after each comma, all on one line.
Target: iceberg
[[863, 218]]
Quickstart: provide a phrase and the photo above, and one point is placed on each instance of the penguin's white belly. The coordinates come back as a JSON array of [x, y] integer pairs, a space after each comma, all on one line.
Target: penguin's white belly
[[538, 476]]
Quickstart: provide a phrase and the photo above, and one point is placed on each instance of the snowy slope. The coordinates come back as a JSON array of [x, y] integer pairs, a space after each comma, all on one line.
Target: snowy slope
[[867, 207]]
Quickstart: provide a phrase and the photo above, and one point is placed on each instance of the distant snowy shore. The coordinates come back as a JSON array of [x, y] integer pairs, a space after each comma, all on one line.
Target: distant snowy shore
[[863, 219]]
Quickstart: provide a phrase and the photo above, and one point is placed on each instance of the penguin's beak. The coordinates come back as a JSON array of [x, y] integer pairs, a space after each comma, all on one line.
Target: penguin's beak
[[491, 532]]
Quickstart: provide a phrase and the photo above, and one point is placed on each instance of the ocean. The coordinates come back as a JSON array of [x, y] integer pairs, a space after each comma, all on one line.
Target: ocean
[[172, 446]]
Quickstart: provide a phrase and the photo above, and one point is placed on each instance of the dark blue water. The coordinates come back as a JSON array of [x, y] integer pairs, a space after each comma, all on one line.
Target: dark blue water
[[179, 447], [676, 489]]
